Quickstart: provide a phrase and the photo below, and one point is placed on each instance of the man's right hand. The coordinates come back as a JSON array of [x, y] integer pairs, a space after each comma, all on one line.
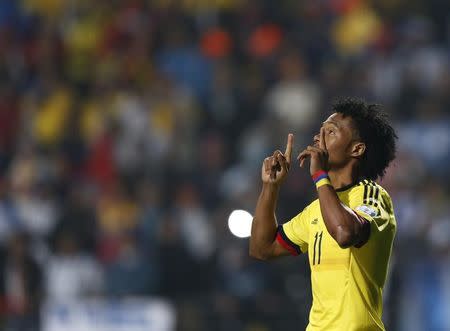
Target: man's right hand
[[276, 167]]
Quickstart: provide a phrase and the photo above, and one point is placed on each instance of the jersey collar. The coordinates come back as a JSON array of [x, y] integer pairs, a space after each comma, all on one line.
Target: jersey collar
[[346, 187]]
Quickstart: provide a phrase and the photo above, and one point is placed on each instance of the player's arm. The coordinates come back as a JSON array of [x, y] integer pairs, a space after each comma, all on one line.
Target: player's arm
[[263, 243], [342, 223]]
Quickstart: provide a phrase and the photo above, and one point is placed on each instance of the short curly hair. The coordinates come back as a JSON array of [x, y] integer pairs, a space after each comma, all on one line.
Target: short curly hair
[[372, 125]]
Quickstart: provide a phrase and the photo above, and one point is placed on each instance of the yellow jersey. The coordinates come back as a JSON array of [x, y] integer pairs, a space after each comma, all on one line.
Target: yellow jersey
[[347, 284]]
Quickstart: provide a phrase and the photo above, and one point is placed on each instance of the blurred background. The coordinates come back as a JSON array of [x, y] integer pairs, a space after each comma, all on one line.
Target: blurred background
[[129, 131]]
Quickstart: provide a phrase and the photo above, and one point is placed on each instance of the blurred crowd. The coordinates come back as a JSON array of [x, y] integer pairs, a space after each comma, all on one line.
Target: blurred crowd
[[129, 130]]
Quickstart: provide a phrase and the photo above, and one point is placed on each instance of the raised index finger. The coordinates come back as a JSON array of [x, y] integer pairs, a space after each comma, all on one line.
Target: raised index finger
[[289, 144], [322, 143]]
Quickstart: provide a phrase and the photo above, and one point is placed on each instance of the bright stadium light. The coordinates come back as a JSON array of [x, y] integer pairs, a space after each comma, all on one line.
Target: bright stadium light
[[240, 223]]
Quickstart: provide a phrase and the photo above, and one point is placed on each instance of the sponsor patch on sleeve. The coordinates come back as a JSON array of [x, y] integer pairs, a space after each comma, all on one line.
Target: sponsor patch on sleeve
[[372, 212]]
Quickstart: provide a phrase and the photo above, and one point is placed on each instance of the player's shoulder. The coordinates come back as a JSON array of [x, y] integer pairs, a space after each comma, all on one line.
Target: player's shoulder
[[311, 209], [370, 193], [368, 187], [313, 205]]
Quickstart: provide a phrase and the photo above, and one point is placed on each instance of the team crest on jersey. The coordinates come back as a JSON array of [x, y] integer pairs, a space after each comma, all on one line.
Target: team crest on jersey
[[367, 210], [314, 221]]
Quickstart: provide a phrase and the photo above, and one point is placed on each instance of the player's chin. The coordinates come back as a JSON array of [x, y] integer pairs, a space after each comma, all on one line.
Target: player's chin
[[336, 163]]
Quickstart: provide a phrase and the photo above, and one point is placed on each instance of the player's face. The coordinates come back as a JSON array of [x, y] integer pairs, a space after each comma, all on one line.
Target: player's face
[[339, 139]]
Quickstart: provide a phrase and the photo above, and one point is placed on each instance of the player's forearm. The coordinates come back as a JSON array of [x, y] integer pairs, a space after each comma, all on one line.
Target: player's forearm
[[264, 226], [342, 224]]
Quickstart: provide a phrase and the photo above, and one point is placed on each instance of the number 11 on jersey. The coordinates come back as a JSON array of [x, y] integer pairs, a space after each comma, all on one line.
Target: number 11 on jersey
[[317, 247]]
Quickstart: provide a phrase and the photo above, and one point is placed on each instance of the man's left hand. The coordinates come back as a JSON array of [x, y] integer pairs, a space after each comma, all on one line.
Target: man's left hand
[[318, 155]]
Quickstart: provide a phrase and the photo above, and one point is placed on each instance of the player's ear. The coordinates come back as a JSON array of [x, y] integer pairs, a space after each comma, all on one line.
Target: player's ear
[[358, 149]]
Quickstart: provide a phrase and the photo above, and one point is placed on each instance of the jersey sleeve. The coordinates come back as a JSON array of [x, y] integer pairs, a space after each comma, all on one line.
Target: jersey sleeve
[[293, 235], [370, 202]]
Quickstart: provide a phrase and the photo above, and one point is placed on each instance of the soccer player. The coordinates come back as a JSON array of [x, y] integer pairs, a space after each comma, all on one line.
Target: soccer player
[[348, 231]]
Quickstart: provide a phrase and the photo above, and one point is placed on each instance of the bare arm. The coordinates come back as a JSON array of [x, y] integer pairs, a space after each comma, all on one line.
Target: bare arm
[[343, 224], [263, 243]]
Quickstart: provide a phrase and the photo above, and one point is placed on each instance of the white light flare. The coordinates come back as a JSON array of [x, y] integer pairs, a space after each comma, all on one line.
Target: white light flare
[[240, 223]]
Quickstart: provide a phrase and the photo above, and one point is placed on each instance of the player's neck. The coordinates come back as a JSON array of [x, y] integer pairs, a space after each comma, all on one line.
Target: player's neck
[[344, 176]]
